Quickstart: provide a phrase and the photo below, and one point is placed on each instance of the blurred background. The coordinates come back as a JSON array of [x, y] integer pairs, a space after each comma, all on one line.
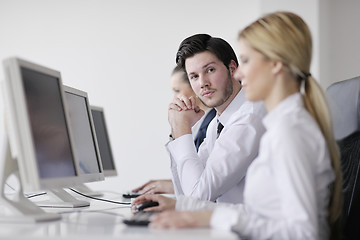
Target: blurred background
[[122, 52]]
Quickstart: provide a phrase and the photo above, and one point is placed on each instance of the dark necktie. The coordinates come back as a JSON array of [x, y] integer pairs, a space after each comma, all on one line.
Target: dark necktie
[[203, 127], [219, 128]]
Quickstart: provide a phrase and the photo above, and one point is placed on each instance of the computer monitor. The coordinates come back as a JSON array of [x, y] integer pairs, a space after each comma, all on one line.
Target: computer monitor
[[39, 135], [103, 139], [85, 140]]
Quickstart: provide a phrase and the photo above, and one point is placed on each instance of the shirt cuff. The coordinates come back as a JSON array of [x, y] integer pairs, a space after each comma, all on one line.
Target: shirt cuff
[[186, 203], [223, 218], [182, 148]]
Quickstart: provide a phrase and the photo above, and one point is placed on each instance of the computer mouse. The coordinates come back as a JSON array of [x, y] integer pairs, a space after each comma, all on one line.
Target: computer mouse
[[147, 204], [131, 195]]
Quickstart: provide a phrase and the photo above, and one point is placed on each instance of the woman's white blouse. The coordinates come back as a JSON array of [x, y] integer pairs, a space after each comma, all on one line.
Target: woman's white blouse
[[286, 193]]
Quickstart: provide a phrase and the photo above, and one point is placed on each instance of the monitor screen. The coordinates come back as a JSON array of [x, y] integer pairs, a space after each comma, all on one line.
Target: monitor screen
[[85, 142], [103, 141], [48, 124], [38, 127]]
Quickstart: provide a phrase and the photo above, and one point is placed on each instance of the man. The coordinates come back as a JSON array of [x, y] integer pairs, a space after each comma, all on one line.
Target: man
[[180, 86], [217, 171]]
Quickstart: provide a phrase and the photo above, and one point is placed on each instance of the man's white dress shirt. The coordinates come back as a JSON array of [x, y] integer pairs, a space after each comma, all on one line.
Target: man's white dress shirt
[[287, 188], [217, 171]]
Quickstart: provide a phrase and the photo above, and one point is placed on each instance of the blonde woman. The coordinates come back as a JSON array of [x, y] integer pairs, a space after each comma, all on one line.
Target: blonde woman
[[293, 188]]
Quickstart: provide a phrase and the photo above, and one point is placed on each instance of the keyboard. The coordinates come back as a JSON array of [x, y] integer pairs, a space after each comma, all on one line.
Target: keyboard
[[139, 219]]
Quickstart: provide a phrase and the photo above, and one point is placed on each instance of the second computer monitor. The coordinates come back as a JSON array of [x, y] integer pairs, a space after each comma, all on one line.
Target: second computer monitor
[[84, 136], [103, 141]]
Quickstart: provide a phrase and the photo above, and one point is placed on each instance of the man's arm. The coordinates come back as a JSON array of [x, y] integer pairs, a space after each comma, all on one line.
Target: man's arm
[[182, 115], [226, 165]]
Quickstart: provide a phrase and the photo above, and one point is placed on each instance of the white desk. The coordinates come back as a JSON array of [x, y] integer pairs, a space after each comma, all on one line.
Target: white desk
[[100, 221]]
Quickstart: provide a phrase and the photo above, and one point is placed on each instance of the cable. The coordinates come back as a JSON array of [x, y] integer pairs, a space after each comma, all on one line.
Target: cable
[[36, 195], [10, 186], [99, 199]]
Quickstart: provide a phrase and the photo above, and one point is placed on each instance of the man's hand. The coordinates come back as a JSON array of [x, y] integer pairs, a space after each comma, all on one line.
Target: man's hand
[[156, 186], [183, 114]]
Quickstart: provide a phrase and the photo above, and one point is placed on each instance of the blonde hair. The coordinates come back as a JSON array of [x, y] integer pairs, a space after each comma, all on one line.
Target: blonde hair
[[285, 37]]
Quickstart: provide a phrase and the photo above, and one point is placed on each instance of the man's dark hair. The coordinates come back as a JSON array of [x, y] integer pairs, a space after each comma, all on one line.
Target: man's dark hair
[[203, 42]]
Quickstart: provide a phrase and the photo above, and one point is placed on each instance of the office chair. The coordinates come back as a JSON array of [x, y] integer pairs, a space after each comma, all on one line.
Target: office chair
[[350, 163], [344, 102], [344, 99]]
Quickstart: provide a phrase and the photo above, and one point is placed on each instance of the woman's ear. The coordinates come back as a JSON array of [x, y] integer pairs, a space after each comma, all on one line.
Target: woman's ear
[[232, 67], [277, 67]]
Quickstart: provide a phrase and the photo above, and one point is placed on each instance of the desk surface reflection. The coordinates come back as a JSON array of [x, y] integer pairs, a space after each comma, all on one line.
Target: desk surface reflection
[[100, 220]]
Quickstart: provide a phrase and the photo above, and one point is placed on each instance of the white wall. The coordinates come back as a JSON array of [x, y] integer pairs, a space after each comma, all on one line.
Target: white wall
[[308, 10], [122, 54], [343, 40], [334, 28], [324, 33]]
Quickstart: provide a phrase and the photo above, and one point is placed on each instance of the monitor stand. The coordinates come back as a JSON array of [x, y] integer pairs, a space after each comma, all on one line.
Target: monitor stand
[[17, 208], [59, 198], [87, 191]]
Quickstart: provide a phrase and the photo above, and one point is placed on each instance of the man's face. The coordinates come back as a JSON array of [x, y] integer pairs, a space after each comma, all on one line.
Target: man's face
[[210, 79]]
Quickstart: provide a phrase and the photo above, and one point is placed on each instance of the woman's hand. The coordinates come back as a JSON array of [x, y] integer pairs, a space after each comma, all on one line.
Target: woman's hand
[[165, 203], [179, 219]]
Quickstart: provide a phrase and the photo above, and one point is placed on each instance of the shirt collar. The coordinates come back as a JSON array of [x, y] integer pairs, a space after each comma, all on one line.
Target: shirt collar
[[289, 104], [232, 107]]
